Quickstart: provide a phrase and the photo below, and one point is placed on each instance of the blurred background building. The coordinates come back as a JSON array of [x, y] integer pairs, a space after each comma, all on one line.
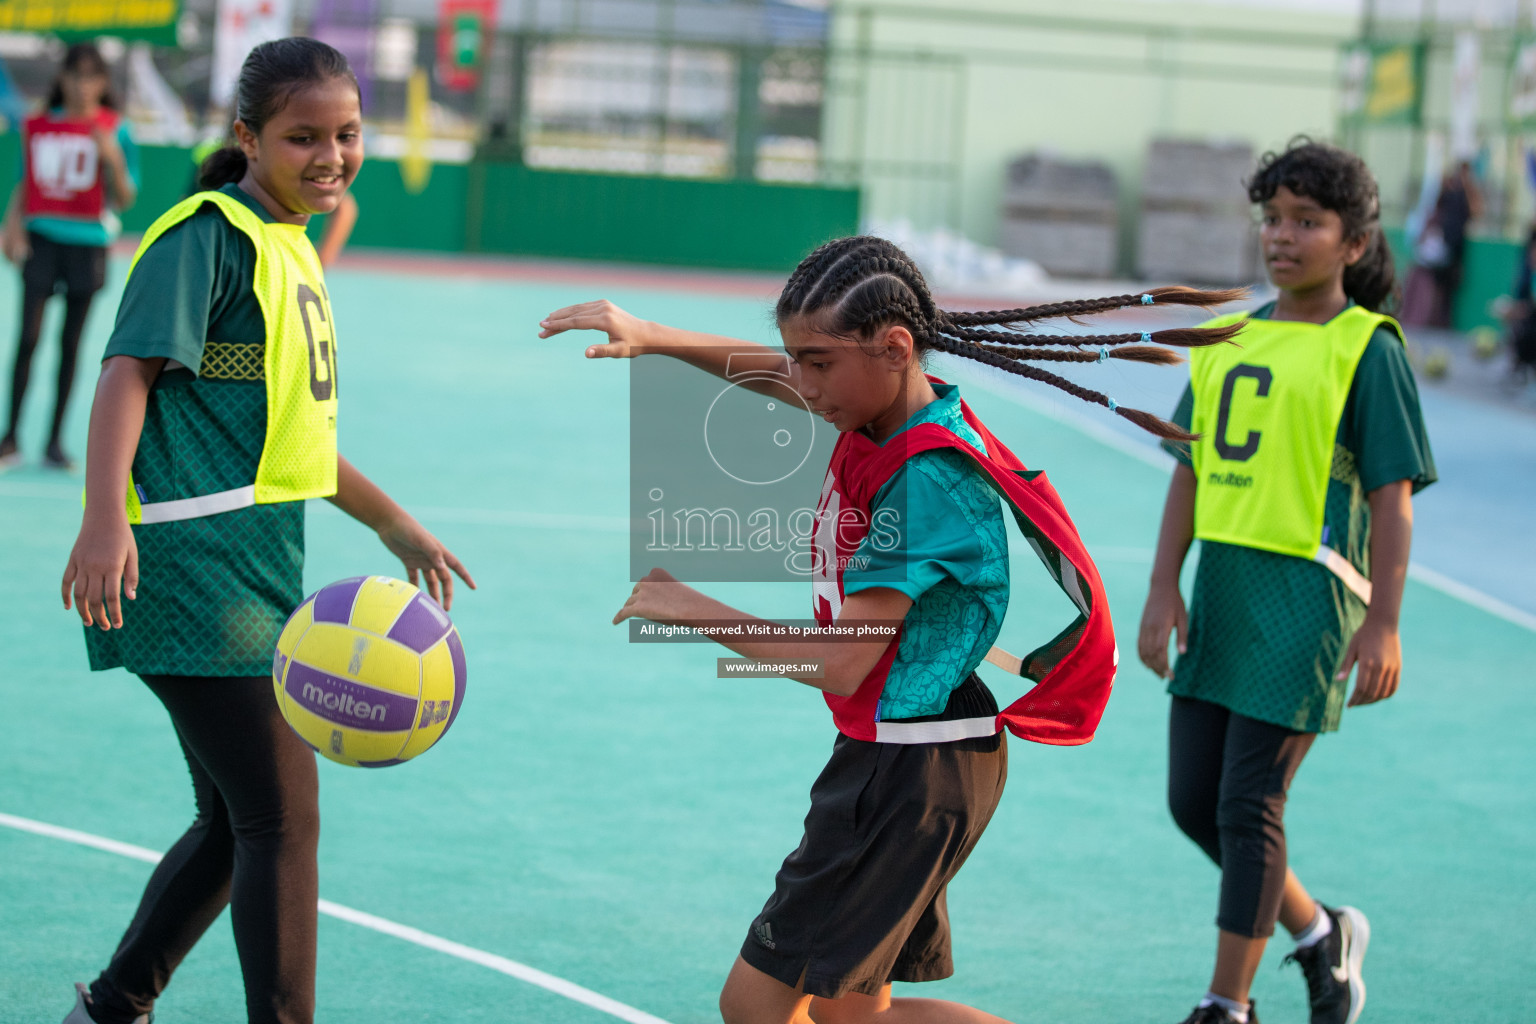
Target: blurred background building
[[1102, 138]]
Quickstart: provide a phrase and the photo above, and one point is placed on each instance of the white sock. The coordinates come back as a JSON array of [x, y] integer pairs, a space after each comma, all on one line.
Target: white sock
[[1320, 928], [1236, 1010]]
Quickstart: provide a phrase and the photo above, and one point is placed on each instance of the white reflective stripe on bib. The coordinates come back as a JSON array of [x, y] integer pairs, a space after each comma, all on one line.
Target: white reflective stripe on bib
[[936, 732], [194, 508], [1347, 573]]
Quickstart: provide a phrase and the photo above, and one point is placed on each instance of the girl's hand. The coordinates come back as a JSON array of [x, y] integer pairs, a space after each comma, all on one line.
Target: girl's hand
[[627, 333], [1378, 650], [107, 147], [659, 597], [104, 562], [425, 557], [17, 248], [1164, 614]]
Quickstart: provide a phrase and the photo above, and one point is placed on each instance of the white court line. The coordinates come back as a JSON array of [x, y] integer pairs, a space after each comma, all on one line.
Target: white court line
[[1475, 598], [500, 964], [996, 382], [1007, 386]]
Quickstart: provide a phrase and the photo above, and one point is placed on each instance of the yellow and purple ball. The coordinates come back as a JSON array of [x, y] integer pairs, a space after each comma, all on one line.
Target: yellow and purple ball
[[369, 671]]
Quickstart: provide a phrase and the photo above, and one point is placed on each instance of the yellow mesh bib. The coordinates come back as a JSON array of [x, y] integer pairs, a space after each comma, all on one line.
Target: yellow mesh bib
[[298, 456], [1267, 410]]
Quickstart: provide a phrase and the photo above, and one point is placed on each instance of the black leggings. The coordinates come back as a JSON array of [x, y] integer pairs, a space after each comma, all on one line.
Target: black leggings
[[1227, 779], [77, 305], [251, 846]]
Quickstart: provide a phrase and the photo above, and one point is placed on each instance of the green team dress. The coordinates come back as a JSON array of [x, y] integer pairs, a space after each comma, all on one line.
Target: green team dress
[[1267, 631], [215, 591]]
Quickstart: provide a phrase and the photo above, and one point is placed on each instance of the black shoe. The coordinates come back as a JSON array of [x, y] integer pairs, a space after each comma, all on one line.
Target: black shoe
[[55, 458], [1332, 968], [1218, 1015]]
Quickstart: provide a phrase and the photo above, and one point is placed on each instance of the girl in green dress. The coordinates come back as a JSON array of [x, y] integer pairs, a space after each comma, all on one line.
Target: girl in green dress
[[1311, 443], [214, 419]]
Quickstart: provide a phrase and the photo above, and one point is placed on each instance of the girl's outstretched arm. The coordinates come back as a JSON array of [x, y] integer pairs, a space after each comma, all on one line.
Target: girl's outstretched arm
[[423, 554], [1376, 646], [841, 663], [629, 336], [105, 559], [1165, 612]]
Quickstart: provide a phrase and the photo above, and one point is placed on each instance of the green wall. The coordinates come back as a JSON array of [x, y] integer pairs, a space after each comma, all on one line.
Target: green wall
[[653, 220], [507, 208]]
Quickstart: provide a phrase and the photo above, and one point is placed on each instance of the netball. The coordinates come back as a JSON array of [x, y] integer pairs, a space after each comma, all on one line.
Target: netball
[[369, 671]]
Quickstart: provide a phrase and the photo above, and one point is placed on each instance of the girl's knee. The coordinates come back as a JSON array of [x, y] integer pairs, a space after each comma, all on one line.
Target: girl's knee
[[1195, 814]]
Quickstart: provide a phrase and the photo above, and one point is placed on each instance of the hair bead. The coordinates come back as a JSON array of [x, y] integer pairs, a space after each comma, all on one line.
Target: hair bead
[[1146, 337], [1146, 299], [1113, 405], [1103, 352]]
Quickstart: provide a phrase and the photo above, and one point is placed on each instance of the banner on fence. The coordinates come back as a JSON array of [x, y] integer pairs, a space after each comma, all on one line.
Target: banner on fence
[[1381, 84]]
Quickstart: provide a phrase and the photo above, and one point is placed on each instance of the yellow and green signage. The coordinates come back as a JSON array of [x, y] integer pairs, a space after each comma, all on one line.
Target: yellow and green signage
[[1382, 83], [151, 20]]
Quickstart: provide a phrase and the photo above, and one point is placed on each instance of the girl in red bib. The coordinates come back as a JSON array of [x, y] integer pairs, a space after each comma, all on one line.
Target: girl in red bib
[[909, 543], [79, 167]]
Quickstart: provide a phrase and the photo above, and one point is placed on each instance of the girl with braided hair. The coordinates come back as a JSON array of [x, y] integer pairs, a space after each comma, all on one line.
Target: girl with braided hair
[[909, 539], [1311, 444]]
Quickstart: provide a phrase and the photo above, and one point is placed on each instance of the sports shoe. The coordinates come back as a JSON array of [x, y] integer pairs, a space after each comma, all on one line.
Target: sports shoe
[[81, 1015], [10, 456], [1332, 968], [1218, 1015], [55, 458]]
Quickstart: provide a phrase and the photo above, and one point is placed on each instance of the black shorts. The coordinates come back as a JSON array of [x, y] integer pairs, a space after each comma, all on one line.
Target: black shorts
[[73, 269], [861, 903]]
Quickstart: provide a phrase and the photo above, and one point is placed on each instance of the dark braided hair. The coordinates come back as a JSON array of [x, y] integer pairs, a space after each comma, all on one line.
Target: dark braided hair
[[856, 286], [1339, 181]]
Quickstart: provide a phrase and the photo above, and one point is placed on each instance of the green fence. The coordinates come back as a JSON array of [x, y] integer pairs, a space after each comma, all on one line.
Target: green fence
[[511, 209]]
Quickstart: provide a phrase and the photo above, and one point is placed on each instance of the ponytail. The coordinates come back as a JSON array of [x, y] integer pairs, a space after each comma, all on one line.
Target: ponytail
[[224, 166], [1372, 280]]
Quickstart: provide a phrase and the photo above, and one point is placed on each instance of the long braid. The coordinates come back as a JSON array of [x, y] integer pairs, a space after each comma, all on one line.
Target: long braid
[[1182, 337], [856, 286], [1171, 295]]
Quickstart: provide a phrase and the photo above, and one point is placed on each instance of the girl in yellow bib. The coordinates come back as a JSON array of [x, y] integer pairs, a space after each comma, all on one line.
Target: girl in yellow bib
[[214, 420], [1310, 444]]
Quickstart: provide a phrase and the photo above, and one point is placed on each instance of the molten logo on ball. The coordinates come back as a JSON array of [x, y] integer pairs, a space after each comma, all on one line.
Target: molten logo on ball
[[369, 671]]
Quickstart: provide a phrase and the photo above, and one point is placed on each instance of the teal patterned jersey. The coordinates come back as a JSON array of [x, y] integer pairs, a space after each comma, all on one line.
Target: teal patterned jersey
[[951, 560]]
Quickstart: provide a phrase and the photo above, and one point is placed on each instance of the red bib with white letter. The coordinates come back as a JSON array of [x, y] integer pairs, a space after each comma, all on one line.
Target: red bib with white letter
[[1073, 673], [64, 166]]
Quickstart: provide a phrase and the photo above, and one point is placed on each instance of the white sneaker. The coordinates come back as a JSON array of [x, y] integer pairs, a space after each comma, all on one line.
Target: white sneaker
[[81, 1015]]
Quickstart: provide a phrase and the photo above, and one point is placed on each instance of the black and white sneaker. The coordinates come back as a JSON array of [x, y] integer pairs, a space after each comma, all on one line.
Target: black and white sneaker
[[1332, 968], [1218, 1015]]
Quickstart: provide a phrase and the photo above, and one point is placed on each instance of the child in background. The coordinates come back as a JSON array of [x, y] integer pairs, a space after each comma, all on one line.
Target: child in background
[[1311, 443], [215, 417], [919, 763], [79, 165]]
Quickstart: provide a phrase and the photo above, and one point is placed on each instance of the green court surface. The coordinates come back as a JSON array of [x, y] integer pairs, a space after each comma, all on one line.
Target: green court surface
[[613, 814]]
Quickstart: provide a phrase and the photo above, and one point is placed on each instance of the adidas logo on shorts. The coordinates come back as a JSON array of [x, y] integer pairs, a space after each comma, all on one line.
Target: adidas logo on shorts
[[763, 932]]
